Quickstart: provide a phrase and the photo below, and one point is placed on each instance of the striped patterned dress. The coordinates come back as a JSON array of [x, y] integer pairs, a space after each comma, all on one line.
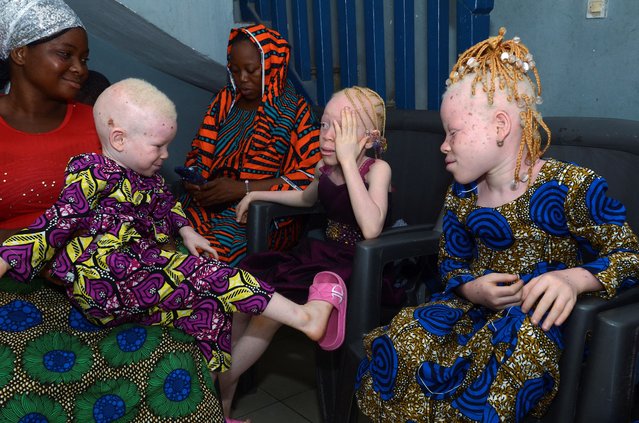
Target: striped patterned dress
[[278, 140]]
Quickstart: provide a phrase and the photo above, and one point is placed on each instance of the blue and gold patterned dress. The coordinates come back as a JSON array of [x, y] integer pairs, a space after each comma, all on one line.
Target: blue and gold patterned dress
[[450, 360]]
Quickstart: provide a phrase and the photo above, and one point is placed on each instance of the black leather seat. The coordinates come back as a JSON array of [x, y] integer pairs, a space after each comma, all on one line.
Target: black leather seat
[[608, 146]]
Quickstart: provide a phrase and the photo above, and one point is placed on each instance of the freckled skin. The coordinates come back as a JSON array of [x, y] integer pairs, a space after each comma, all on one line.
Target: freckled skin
[[471, 142]]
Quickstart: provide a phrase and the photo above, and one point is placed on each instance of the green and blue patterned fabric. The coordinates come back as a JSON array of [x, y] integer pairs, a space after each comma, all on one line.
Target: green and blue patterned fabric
[[55, 366]]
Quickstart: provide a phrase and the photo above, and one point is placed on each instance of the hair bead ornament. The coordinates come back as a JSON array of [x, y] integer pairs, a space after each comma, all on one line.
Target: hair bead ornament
[[501, 64], [379, 142]]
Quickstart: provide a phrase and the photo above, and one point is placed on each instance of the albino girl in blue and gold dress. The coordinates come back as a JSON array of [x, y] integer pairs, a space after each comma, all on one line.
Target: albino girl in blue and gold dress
[[514, 255]]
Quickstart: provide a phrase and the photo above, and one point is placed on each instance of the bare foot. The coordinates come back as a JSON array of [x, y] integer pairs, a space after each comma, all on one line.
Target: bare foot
[[318, 312]]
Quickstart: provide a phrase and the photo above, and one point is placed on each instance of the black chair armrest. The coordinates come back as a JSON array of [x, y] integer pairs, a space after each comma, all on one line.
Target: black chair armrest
[[364, 295], [259, 218], [406, 229], [581, 322], [576, 331], [608, 382], [364, 292]]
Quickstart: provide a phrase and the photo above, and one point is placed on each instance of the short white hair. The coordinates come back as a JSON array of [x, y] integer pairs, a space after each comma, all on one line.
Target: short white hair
[[128, 99], [144, 95]]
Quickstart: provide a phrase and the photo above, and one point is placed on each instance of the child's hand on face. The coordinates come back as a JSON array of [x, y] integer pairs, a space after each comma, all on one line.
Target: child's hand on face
[[196, 243], [496, 291], [347, 146]]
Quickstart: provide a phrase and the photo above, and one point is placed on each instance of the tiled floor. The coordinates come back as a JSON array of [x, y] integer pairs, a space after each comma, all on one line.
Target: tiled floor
[[285, 380], [285, 383]]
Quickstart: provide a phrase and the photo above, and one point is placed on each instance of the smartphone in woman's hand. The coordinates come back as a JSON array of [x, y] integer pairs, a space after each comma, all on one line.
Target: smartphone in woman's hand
[[189, 174]]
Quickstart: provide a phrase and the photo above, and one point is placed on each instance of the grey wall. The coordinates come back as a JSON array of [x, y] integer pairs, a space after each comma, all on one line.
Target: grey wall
[[587, 66], [190, 101], [201, 24]]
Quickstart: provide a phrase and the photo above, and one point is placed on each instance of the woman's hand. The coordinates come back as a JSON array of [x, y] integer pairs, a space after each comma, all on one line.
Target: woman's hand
[[220, 190], [241, 210], [195, 242], [192, 189], [554, 293], [347, 147], [489, 290]]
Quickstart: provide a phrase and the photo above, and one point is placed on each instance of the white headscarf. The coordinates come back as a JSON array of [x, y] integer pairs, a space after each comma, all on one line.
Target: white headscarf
[[25, 21]]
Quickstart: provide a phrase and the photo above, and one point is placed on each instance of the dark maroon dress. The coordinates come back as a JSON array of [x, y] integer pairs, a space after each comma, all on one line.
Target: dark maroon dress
[[291, 272]]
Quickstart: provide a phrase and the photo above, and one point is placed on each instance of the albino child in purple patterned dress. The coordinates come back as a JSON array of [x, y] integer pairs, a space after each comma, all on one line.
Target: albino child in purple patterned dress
[[109, 239]]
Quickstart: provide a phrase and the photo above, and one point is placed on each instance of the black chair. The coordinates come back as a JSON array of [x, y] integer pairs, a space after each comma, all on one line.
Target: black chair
[[414, 138], [609, 373], [609, 146]]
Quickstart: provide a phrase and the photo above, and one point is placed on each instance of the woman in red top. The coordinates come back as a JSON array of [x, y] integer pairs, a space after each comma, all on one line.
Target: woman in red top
[[40, 127], [53, 362]]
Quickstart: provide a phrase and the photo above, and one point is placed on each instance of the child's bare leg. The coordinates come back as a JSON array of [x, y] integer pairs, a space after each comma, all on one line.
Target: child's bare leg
[[310, 318], [4, 267], [246, 351], [240, 323], [214, 376], [229, 378]]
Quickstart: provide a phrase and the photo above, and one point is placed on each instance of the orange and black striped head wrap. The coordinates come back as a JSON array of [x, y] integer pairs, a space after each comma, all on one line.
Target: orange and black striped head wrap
[[275, 53], [283, 123]]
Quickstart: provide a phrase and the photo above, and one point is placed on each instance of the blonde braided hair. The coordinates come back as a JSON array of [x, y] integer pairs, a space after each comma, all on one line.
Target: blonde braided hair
[[367, 100], [510, 63]]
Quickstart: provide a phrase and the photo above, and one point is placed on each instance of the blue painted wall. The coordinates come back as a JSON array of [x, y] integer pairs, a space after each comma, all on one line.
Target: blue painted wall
[[201, 24], [588, 67]]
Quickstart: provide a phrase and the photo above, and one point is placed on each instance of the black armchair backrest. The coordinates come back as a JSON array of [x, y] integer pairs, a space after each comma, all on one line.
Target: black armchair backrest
[[608, 146], [419, 176]]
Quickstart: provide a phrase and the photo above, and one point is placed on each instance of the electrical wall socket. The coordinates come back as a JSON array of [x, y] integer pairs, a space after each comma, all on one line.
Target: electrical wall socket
[[596, 9]]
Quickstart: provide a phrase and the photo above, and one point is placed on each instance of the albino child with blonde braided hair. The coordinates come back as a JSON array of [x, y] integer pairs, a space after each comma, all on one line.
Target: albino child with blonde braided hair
[[354, 190], [513, 258]]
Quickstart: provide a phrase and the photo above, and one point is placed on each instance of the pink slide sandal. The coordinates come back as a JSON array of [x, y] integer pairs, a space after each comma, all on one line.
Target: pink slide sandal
[[329, 287]]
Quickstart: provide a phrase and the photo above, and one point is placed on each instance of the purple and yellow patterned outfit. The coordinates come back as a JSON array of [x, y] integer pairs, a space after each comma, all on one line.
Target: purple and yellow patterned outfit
[[450, 360], [109, 238]]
